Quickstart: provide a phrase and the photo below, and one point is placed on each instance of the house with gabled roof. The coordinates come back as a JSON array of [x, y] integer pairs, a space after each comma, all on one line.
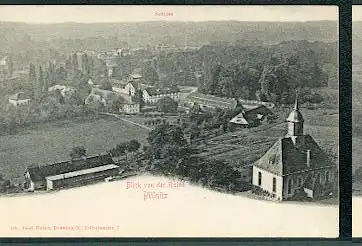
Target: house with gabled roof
[[251, 115], [152, 95], [295, 166]]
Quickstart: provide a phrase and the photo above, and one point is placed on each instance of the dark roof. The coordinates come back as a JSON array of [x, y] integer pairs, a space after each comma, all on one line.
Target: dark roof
[[284, 157], [250, 113], [158, 91], [211, 100], [39, 173], [259, 109]]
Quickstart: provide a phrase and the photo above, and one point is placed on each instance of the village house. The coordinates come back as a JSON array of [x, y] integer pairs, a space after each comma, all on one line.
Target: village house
[[130, 108], [101, 96], [19, 99], [135, 78], [93, 84], [295, 167], [152, 95], [251, 115], [124, 87], [70, 173], [64, 90], [210, 102]]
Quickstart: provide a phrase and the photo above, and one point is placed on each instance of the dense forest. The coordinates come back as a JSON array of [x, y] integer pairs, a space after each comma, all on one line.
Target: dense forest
[[263, 72]]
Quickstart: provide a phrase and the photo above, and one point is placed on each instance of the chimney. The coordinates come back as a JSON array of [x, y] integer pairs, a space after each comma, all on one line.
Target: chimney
[[308, 158]]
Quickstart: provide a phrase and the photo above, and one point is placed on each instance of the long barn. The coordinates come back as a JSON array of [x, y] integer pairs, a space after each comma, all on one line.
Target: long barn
[[70, 173]]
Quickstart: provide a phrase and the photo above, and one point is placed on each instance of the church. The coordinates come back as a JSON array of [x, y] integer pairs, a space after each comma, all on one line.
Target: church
[[295, 167]]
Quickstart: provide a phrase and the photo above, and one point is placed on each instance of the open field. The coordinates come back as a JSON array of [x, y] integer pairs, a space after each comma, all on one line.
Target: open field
[[52, 142], [247, 145]]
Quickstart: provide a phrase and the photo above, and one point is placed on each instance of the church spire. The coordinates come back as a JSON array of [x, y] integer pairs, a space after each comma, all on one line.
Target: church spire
[[295, 120], [296, 104]]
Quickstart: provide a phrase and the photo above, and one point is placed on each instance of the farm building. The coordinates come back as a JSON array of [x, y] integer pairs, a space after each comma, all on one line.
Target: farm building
[[127, 88], [64, 90], [295, 166], [251, 115], [70, 173], [104, 97], [19, 99], [209, 101], [135, 77], [151, 95], [130, 108]]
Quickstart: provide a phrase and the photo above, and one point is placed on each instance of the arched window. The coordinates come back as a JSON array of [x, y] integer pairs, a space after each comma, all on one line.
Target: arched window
[[290, 186], [259, 178], [300, 181], [274, 184], [327, 177]]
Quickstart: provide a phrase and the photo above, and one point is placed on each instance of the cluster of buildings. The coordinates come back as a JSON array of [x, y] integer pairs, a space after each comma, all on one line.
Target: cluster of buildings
[[252, 113], [295, 167], [128, 89]]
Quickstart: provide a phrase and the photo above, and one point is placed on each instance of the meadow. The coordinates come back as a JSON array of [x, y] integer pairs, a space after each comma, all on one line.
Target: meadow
[[52, 142], [243, 147]]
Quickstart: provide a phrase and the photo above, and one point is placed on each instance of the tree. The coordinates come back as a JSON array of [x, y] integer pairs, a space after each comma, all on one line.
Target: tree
[[41, 80], [10, 64], [106, 85], [75, 61], [167, 141], [32, 73], [167, 105], [133, 145], [77, 152]]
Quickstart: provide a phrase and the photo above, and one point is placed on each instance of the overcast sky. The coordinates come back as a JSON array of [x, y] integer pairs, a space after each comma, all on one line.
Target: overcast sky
[[97, 13]]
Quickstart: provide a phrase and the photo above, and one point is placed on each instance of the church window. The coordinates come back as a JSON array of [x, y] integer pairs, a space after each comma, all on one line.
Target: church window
[[259, 178], [289, 186], [274, 184], [327, 177], [300, 181]]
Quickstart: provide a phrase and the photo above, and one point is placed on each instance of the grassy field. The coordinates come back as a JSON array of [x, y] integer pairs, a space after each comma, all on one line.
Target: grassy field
[[52, 142], [247, 145]]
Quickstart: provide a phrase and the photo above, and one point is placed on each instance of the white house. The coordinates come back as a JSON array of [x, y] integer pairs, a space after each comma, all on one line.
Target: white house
[[152, 95], [64, 90], [127, 88], [130, 108], [295, 165], [19, 99], [135, 77]]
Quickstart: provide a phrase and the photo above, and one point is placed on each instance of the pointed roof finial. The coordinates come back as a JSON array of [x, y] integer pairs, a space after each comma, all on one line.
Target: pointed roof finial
[[296, 105]]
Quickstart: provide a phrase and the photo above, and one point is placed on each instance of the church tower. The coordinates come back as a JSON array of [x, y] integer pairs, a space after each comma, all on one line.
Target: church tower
[[295, 121]]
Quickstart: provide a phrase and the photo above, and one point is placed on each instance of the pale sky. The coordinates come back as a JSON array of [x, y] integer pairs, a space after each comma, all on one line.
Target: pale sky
[[117, 13]]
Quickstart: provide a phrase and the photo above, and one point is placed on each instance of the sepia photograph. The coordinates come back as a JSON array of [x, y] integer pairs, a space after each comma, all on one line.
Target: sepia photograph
[[172, 121], [356, 121]]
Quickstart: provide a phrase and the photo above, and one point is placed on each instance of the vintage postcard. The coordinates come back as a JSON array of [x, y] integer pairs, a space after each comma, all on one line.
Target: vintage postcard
[[357, 120], [169, 121]]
